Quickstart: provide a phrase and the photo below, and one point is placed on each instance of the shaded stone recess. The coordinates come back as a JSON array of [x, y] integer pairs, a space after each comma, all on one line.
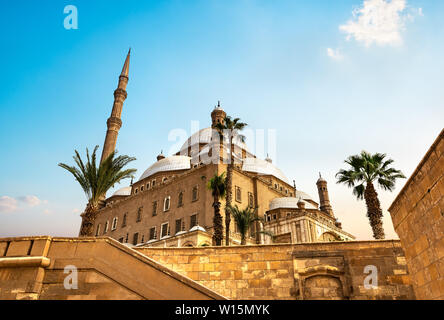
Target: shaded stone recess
[[418, 218], [293, 272]]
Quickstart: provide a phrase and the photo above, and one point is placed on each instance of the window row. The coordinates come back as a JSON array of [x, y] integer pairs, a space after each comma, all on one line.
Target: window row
[[165, 231], [238, 197], [282, 189]]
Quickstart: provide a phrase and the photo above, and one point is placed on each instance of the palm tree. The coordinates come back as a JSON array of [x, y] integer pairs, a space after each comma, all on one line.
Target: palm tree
[[367, 169], [244, 219], [96, 181], [218, 190], [232, 126]]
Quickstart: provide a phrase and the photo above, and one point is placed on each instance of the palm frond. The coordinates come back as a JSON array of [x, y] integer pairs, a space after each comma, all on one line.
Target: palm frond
[[97, 180]]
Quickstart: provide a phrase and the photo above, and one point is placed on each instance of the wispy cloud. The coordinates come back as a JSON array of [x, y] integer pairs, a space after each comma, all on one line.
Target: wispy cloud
[[334, 54], [9, 204], [380, 22], [31, 201]]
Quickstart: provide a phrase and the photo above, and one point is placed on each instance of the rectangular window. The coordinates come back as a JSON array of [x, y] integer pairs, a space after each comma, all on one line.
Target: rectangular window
[[179, 225], [238, 194], [106, 227], [154, 208], [193, 220], [153, 183], [124, 220], [165, 230], [153, 233], [135, 238]]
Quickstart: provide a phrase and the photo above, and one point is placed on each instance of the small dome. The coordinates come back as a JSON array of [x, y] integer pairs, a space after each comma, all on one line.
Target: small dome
[[289, 203], [320, 180], [197, 228], [263, 167], [168, 164], [126, 191]]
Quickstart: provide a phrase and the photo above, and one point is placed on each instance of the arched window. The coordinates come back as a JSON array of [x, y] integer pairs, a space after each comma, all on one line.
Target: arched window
[[154, 208], [195, 194], [139, 214], [106, 227], [124, 220], [238, 194], [180, 200], [98, 230], [114, 225], [166, 203]]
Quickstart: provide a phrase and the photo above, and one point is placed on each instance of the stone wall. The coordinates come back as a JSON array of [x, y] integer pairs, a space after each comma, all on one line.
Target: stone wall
[[418, 218], [302, 271], [34, 268]]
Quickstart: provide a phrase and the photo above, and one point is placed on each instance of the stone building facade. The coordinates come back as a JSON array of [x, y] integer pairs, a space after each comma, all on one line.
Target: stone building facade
[[170, 204], [418, 218]]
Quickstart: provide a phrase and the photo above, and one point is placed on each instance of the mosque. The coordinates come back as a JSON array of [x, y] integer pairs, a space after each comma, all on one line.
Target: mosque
[[170, 205]]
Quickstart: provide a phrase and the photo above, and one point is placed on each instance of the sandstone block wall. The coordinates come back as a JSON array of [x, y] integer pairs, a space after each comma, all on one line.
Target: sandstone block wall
[[418, 218], [304, 271], [34, 268]]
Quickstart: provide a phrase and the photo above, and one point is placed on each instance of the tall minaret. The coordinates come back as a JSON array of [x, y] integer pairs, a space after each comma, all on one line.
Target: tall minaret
[[114, 122], [323, 196]]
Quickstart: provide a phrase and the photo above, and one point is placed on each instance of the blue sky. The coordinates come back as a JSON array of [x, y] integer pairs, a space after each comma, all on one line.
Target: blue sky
[[330, 84]]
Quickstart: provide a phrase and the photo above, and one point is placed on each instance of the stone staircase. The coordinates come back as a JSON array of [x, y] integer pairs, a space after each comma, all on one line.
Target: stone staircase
[[42, 268]]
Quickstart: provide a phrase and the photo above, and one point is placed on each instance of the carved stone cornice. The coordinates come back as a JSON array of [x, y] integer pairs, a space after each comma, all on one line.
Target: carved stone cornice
[[114, 121], [120, 93]]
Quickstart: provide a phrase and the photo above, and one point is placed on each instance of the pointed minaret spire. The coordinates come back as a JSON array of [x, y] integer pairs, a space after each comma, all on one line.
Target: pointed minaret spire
[[114, 122], [125, 69]]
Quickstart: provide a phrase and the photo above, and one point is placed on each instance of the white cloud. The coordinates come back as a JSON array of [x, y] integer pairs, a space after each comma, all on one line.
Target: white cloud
[[334, 54], [380, 22], [31, 201], [8, 204]]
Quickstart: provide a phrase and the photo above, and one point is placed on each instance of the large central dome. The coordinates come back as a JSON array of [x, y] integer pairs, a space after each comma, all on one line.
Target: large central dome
[[205, 136]]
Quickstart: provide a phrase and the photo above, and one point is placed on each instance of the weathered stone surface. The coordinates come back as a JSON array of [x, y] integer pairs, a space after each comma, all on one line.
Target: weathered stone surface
[[273, 271], [418, 218]]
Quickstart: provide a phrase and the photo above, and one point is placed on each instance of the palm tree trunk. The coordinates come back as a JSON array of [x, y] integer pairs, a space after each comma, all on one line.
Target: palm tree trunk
[[229, 195], [374, 212], [88, 219], [217, 222]]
